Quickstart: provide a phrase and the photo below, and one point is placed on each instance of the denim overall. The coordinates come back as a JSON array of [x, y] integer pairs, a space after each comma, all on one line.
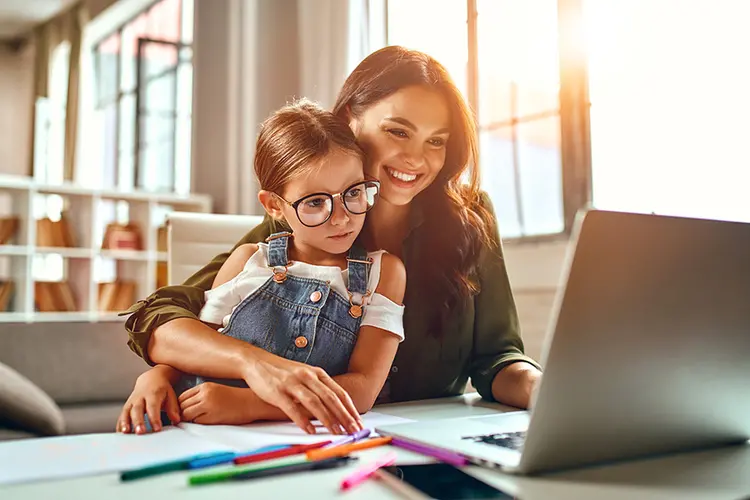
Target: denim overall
[[301, 319]]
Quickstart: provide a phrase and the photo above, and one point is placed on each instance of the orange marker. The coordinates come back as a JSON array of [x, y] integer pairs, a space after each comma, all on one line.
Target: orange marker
[[343, 450]]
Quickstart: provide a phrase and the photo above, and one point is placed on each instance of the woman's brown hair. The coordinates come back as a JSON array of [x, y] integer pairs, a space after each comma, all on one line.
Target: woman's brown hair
[[293, 140], [456, 223]]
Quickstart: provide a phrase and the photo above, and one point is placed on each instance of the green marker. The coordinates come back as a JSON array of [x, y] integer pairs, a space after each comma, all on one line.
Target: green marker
[[229, 473], [174, 465]]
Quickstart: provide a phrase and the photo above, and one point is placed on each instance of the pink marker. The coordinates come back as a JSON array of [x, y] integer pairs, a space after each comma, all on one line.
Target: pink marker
[[360, 475]]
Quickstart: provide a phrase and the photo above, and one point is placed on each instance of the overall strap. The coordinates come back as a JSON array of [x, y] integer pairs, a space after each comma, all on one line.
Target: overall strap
[[278, 244], [358, 265]]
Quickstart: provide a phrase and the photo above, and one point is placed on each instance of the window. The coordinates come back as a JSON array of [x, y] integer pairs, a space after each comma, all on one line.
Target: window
[[49, 151], [144, 100], [504, 57], [668, 113], [49, 120]]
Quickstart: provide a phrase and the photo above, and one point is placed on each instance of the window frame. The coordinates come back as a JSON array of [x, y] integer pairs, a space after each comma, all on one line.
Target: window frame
[[573, 111], [139, 112], [44, 125], [135, 92]]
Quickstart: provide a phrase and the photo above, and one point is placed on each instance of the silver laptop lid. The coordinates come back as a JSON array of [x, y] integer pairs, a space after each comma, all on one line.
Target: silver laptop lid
[[651, 344]]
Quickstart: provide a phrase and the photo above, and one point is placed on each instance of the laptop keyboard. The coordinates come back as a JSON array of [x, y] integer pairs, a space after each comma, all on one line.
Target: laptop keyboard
[[511, 440]]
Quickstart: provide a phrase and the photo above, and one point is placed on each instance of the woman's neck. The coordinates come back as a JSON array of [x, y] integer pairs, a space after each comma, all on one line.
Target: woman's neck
[[387, 226], [300, 252]]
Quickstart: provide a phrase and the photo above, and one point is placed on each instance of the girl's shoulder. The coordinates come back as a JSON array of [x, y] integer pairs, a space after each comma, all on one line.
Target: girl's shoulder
[[385, 266], [382, 257], [245, 251], [250, 255]]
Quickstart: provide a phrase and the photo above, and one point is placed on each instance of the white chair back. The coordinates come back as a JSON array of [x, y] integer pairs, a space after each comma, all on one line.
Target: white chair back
[[193, 239]]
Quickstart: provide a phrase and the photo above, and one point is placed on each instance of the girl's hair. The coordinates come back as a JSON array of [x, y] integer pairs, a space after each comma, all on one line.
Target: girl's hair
[[456, 223], [293, 140]]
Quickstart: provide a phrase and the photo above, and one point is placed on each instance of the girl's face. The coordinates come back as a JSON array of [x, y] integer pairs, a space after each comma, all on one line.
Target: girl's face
[[333, 175], [404, 136]]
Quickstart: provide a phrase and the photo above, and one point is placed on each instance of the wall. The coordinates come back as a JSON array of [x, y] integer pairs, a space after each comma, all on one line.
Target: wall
[[534, 270], [245, 67], [16, 91], [210, 101]]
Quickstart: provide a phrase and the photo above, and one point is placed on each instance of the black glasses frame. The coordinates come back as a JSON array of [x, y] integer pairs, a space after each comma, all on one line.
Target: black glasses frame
[[331, 197]]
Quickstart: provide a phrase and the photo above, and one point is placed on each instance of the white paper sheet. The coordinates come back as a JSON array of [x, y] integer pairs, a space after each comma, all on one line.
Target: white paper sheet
[[91, 454], [248, 437]]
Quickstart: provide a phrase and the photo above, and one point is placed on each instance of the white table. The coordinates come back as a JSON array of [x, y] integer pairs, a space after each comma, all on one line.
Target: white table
[[715, 474]]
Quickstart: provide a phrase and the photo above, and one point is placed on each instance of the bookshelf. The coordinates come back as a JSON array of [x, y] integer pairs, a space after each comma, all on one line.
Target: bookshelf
[[85, 265]]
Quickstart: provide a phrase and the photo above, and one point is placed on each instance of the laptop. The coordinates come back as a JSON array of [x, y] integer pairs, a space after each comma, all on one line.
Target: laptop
[[648, 351]]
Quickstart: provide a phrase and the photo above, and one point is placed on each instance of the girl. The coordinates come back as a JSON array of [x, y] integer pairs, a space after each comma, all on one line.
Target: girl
[[461, 322], [309, 295]]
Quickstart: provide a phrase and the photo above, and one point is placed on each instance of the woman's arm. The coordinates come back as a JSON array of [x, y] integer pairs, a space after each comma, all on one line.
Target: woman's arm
[[514, 384], [165, 329], [184, 301], [499, 369], [193, 347]]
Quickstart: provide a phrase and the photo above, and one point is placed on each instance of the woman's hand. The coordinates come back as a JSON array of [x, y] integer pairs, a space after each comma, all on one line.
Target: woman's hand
[[298, 390], [152, 392]]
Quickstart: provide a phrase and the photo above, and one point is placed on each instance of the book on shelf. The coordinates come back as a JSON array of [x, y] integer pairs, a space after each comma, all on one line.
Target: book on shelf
[[161, 274], [51, 233], [161, 238], [122, 237], [54, 296], [116, 296], [64, 295], [6, 293], [8, 228]]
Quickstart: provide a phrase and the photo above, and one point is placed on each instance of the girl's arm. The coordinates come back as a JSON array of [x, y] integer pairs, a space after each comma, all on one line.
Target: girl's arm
[[375, 348], [152, 393]]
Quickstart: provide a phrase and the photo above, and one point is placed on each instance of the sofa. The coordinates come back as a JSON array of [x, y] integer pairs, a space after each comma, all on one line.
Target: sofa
[[73, 377], [63, 377]]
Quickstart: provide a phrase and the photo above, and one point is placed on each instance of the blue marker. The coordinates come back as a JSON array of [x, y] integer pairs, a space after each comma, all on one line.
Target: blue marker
[[210, 461]]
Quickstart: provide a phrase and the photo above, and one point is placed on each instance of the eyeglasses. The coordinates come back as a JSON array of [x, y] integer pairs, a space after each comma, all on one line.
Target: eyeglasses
[[315, 209]]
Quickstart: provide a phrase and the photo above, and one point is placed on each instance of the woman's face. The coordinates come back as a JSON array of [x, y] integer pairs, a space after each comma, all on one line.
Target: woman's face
[[404, 136]]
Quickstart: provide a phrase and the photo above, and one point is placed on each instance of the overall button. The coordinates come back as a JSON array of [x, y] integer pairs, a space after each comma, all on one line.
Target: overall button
[[316, 296], [300, 342], [394, 369]]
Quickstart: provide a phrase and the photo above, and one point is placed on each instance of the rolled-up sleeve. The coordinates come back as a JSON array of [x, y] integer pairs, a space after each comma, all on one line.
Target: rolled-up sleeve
[[164, 305], [497, 338]]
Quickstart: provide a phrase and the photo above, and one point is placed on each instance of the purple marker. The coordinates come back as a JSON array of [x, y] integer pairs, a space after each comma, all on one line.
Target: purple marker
[[351, 438], [442, 455]]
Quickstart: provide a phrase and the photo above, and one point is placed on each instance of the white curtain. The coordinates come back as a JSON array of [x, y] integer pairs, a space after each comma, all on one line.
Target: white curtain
[[323, 27], [334, 36]]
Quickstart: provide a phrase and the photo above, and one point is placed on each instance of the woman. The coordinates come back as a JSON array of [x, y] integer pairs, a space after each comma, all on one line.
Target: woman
[[460, 320]]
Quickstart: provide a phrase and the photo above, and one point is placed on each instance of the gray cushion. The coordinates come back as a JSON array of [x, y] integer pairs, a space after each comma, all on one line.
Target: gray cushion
[[76, 362], [26, 406], [88, 419], [13, 434]]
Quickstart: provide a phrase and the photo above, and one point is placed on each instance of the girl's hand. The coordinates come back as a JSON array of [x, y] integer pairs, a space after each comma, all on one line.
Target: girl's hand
[[212, 403], [301, 390], [152, 392]]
